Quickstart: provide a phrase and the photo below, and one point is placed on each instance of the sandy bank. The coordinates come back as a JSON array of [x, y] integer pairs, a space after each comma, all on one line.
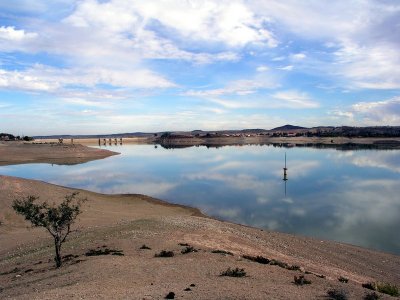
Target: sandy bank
[[20, 153], [126, 222], [95, 141]]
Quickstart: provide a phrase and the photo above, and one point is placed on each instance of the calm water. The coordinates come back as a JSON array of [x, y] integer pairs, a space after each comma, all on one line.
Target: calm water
[[347, 196]]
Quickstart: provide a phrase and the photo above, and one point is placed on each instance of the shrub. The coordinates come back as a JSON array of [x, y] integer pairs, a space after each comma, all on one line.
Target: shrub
[[233, 272], [383, 287], [343, 279], [279, 264], [337, 294], [164, 253], [188, 249], [387, 288], [144, 247], [170, 295], [369, 285], [106, 251], [371, 296], [222, 252], [259, 259], [301, 280]]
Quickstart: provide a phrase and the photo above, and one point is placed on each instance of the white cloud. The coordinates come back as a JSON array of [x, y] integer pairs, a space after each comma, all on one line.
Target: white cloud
[[295, 99], [25, 81], [229, 22], [364, 34], [47, 79], [380, 112], [372, 67], [340, 114], [9, 33], [241, 87], [383, 112], [262, 69], [278, 58], [298, 56], [233, 23], [12, 39], [286, 68]]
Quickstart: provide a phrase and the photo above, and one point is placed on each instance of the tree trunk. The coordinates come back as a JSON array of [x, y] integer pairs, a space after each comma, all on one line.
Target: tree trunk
[[57, 245]]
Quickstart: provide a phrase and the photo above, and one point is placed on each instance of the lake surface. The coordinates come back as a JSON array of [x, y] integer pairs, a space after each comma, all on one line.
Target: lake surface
[[347, 196]]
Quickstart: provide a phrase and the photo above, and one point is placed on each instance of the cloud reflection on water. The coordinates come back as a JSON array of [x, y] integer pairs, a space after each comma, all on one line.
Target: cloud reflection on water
[[347, 196]]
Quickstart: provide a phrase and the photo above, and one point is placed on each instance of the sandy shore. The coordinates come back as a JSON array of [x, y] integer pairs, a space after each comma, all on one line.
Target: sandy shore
[[126, 222], [54, 153], [95, 141]]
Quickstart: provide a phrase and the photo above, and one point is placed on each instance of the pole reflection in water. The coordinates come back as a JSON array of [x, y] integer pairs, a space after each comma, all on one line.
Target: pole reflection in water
[[285, 174]]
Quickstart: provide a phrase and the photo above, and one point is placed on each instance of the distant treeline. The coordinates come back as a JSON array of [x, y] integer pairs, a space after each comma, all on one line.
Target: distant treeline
[[358, 132], [11, 137]]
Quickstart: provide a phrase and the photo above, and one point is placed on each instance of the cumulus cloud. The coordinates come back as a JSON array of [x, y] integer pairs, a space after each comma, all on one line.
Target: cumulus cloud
[[362, 32], [12, 39], [43, 78], [9, 33], [371, 113], [380, 112]]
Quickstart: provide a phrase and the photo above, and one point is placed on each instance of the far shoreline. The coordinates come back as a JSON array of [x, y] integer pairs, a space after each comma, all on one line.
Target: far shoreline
[[183, 142]]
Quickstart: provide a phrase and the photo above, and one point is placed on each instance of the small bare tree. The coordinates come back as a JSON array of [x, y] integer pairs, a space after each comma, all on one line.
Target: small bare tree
[[56, 219]]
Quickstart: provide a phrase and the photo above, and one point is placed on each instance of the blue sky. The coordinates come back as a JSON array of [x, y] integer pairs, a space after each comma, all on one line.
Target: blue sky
[[97, 66]]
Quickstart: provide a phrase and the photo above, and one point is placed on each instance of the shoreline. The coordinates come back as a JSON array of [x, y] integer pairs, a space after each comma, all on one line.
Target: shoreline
[[126, 222], [338, 142]]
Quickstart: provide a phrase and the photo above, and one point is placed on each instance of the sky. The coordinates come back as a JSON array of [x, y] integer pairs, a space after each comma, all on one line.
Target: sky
[[114, 66]]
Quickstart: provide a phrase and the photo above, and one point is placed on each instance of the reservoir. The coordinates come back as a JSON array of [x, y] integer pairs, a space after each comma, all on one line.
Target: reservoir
[[350, 196]]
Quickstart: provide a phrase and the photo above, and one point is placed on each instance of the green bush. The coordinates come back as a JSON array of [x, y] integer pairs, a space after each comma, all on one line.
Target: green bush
[[383, 287], [387, 288]]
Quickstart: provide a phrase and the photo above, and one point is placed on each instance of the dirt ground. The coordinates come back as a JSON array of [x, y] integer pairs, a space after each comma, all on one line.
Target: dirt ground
[[127, 222]]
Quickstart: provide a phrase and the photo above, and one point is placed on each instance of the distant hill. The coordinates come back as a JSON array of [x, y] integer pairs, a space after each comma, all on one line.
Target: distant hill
[[287, 127]]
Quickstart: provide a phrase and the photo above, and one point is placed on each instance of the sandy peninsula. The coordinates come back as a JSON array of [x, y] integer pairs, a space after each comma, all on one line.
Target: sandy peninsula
[[54, 153], [125, 223]]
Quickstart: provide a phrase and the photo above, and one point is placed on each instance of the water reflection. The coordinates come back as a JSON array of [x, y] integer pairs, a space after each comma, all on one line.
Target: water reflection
[[349, 196]]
